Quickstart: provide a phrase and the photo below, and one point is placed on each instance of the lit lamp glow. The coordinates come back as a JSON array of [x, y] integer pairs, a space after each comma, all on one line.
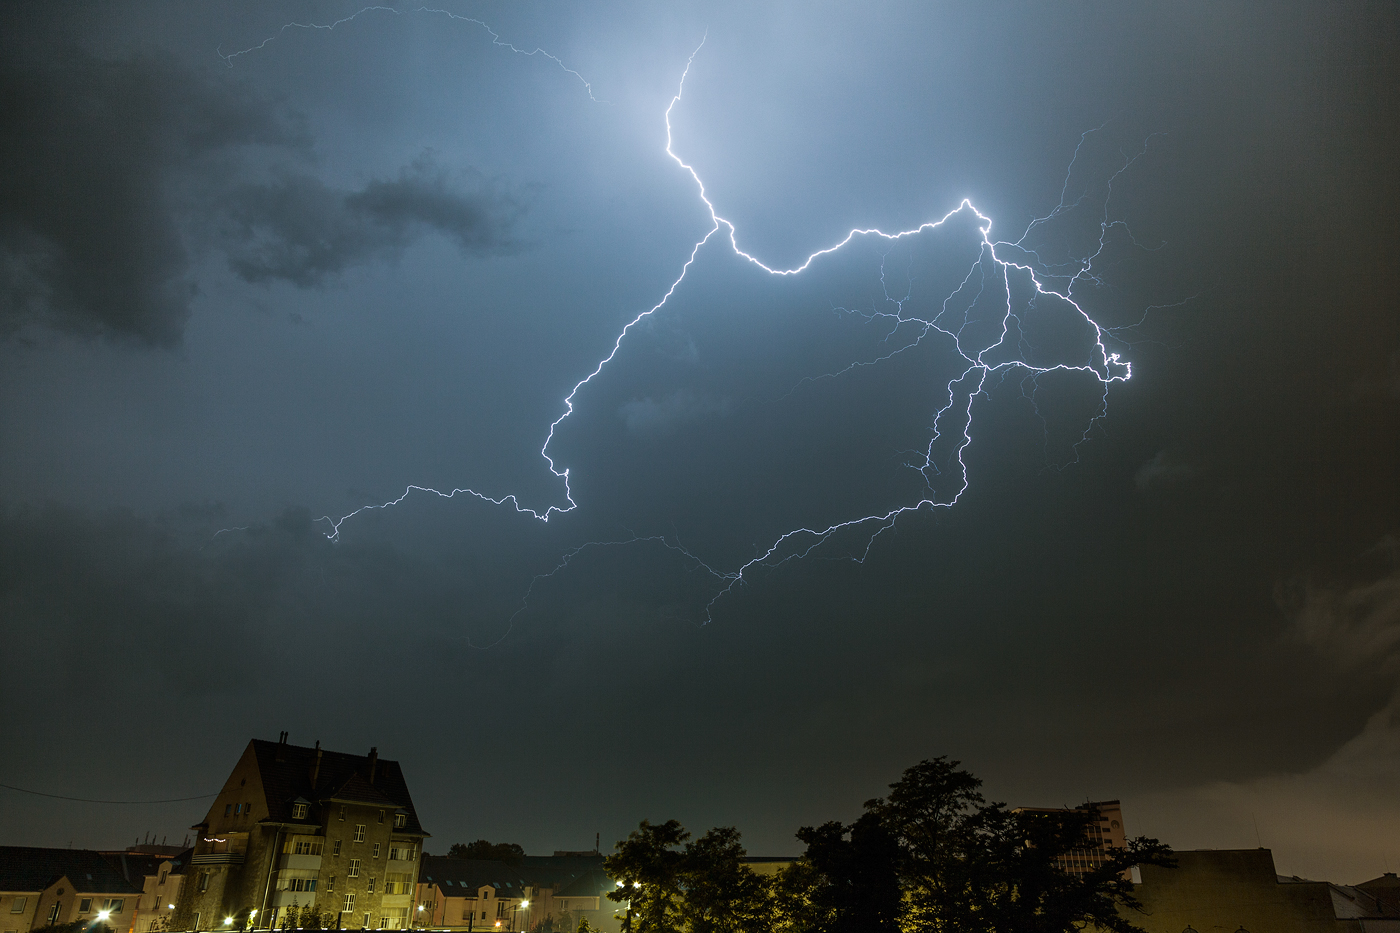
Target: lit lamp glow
[[103, 914]]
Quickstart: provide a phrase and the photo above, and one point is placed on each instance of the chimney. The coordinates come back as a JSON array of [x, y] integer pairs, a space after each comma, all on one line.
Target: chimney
[[316, 769], [373, 760], [283, 739]]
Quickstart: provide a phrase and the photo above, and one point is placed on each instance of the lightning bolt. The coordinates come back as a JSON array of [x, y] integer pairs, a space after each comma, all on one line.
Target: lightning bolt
[[1010, 263]]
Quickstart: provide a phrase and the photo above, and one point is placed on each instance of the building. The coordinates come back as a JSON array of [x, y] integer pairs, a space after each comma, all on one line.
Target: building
[[1105, 831], [45, 887], [160, 892], [1227, 890], [551, 892], [304, 828]]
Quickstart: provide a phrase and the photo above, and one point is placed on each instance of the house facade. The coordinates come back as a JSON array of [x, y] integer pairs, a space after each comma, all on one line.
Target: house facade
[[44, 887], [298, 829]]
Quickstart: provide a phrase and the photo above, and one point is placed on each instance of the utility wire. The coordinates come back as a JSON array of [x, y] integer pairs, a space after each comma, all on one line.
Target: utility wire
[[39, 793]]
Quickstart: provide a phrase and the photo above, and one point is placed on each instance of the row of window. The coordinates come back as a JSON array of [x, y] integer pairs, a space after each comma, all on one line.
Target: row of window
[[237, 809], [400, 820]]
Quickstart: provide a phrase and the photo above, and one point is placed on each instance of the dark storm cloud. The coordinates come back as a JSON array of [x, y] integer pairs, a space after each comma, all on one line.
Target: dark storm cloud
[[298, 229], [109, 171], [90, 240]]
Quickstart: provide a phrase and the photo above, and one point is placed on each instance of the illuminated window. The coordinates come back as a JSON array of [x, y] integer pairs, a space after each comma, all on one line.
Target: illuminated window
[[237, 809], [359, 832]]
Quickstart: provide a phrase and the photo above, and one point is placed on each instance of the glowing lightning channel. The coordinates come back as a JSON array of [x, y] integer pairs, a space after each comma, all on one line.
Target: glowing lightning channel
[[1105, 366]]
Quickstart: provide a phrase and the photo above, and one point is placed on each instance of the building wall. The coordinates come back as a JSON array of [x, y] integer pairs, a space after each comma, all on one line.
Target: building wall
[[1220, 891], [159, 892], [17, 911], [74, 904]]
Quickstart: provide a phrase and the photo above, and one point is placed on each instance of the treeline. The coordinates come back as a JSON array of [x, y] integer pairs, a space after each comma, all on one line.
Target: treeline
[[931, 857]]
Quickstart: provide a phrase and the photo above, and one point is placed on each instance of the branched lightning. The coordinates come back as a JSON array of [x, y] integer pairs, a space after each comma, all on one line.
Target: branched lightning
[[979, 371]]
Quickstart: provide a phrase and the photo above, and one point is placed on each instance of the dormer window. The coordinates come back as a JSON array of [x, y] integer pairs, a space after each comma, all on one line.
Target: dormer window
[[400, 820], [299, 811]]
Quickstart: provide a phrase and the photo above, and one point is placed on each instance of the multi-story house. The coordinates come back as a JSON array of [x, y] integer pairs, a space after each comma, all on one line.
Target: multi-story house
[[160, 892], [304, 828]]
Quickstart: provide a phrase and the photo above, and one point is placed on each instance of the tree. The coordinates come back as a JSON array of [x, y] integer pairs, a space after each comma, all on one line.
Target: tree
[[509, 852], [855, 885], [967, 866], [721, 894], [647, 867]]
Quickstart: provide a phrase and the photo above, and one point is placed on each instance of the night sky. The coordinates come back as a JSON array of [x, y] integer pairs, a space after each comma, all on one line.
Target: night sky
[[240, 292]]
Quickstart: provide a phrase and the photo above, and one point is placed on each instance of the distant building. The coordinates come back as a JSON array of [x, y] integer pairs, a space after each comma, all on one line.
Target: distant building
[[1105, 831], [1228, 890], [44, 887], [298, 827], [541, 891]]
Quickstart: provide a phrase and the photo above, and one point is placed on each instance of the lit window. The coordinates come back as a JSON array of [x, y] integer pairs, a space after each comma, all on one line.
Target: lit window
[[354, 871], [237, 809], [298, 811], [359, 832]]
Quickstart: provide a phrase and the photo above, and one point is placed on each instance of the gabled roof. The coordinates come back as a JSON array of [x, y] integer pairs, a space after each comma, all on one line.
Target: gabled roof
[[286, 773], [593, 883], [463, 877], [25, 868]]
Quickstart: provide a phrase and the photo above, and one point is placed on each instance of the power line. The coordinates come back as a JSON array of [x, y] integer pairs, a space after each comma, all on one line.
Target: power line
[[39, 793]]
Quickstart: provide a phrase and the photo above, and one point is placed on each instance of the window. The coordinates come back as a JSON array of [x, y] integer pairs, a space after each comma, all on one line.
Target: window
[[84, 905], [370, 889], [237, 809], [483, 915], [366, 924], [342, 812], [398, 883], [114, 904], [203, 881], [381, 816], [330, 885], [466, 914], [349, 902], [18, 906], [354, 871], [163, 876], [359, 832], [376, 850], [305, 847], [400, 820], [401, 853], [228, 809], [247, 808], [395, 918], [298, 811], [195, 924], [335, 849]]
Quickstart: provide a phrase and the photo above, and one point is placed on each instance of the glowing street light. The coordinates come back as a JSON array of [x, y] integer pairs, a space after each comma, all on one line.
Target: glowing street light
[[228, 921], [103, 914]]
